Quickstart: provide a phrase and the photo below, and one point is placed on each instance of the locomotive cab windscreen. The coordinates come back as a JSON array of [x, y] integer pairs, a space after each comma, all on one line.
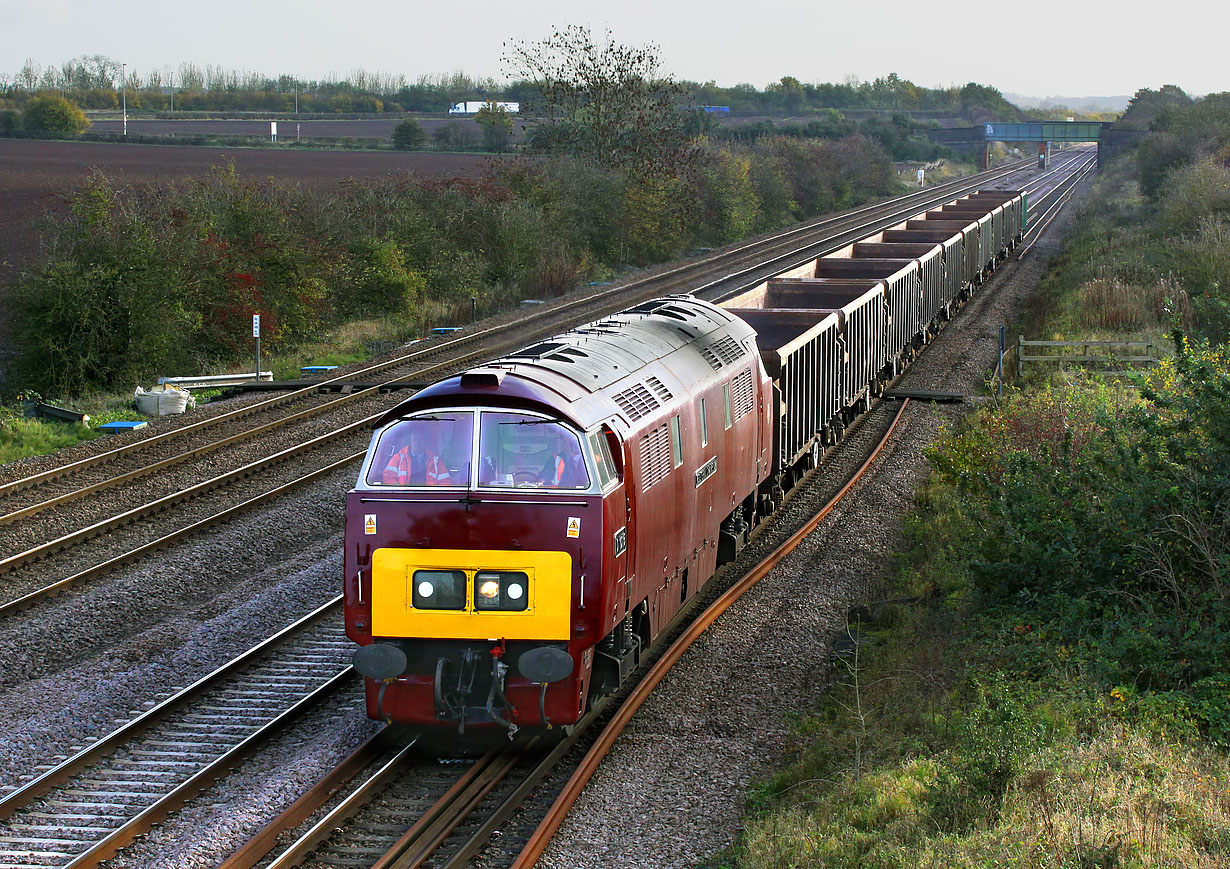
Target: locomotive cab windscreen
[[488, 448]]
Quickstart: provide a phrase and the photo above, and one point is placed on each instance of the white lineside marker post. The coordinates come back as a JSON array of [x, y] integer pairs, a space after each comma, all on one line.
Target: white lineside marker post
[[273, 131], [256, 333]]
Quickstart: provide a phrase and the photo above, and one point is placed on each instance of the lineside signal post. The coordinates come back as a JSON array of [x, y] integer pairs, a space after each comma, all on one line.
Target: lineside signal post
[[256, 333]]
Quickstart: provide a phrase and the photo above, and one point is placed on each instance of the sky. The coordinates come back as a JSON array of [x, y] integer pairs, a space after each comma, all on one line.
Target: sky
[[1056, 49]]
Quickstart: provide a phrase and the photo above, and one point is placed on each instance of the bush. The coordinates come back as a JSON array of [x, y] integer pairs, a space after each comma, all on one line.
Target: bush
[[51, 114], [1194, 193], [408, 135]]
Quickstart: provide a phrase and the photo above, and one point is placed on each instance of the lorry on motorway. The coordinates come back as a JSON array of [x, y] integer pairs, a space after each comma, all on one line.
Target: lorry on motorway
[[472, 107]]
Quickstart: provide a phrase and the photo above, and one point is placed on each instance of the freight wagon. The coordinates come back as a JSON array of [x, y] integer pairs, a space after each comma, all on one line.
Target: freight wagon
[[520, 533]]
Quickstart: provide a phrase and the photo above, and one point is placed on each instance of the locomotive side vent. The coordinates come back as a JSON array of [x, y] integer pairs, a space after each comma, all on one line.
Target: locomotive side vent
[[636, 401], [655, 456], [743, 396]]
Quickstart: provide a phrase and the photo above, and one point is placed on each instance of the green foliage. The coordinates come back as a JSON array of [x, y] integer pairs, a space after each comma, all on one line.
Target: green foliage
[[20, 437], [1062, 675], [497, 127], [1183, 132], [1110, 522], [52, 114], [408, 135], [1148, 104], [155, 280]]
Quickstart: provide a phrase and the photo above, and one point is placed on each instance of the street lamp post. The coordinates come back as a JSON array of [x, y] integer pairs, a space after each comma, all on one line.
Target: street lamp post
[[124, 94]]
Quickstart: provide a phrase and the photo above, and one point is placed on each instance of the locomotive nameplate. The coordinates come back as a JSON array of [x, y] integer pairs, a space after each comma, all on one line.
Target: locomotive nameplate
[[705, 471], [546, 616]]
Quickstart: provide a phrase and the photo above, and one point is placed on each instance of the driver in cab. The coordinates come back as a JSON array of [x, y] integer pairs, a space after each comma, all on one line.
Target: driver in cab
[[415, 465], [566, 467]]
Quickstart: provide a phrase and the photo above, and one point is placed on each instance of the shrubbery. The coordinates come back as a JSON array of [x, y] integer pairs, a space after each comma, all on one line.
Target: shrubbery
[[1052, 687], [142, 281], [52, 114]]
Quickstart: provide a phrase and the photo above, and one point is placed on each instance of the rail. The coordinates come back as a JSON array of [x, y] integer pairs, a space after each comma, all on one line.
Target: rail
[[589, 764]]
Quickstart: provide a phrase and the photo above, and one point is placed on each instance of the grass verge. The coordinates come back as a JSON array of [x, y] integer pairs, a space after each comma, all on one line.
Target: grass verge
[[22, 435]]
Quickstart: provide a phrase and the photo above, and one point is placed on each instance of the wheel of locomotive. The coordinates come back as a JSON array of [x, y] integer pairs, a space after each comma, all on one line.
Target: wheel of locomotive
[[817, 453]]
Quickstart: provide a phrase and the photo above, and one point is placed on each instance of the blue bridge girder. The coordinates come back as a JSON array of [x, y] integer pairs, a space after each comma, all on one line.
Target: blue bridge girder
[[1043, 131]]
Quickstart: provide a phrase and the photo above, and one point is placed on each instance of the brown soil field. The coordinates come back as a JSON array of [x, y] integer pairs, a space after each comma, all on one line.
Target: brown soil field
[[35, 176]]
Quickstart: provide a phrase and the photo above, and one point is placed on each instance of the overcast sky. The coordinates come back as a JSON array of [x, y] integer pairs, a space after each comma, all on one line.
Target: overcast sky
[[1099, 49]]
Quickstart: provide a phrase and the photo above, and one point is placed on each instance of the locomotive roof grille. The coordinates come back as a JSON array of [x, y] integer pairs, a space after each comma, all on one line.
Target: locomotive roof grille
[[660, 388], [636, 401]]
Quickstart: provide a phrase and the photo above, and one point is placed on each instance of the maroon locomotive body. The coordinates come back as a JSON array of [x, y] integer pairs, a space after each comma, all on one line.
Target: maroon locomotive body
[[519, 533]]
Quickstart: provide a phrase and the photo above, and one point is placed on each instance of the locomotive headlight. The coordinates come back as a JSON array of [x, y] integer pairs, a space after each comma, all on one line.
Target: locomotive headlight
[[500, 590], [489, 592], [426, 589]]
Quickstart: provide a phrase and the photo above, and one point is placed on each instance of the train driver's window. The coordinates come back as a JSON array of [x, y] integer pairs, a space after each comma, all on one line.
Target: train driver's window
[[429, 450], [603, 463], [517, 449]]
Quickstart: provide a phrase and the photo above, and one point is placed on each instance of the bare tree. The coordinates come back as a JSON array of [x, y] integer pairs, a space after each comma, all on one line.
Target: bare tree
[[604, 102]]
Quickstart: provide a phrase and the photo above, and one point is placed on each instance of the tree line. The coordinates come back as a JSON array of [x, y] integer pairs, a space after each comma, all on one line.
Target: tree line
[[95, 82]]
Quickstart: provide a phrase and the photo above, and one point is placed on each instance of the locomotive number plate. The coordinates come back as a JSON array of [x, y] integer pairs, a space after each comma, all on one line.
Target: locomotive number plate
[[705, 471]]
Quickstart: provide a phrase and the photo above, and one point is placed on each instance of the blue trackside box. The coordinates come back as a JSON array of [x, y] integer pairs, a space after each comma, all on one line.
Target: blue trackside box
[[122, 425], [316, 369]]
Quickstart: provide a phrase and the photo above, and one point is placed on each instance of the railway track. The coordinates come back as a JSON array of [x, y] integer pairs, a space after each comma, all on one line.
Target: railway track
[[90, 805], [524, 791], [38, 541], [31, 836]]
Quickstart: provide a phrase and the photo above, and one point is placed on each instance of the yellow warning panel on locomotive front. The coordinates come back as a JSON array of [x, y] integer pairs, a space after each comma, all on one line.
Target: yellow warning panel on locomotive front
[[471, 594]]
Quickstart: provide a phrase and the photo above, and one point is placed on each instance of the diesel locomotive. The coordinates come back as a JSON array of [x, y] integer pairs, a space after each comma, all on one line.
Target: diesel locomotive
[[519, 534]]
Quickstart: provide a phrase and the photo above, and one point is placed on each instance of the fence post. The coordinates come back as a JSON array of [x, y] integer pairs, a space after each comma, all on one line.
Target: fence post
[[1020, 356], [1002, 339]]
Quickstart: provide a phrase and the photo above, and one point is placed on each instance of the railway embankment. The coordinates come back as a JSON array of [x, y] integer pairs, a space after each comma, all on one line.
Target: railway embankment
[[1048, 684]]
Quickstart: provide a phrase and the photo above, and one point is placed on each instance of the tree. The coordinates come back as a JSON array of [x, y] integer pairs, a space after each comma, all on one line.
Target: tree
[[606, 103], [790, 91], [408, 135], [497, 126], [52, 114]]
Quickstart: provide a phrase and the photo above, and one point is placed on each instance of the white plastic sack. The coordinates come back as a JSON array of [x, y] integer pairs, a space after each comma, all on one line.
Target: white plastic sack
[[164, 400]]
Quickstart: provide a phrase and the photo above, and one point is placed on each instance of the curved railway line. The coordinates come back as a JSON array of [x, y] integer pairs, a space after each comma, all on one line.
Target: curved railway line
[[385, 819], [343, 439], [91, 805]]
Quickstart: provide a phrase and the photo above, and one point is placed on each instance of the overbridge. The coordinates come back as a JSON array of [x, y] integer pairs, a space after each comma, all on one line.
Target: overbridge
[[1106, 135]]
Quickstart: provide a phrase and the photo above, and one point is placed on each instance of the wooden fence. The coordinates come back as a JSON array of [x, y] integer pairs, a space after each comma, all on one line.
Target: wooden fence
[[1085, 354]]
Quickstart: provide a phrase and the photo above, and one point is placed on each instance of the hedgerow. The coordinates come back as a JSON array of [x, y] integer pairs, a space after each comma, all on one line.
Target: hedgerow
[[140, 281]]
